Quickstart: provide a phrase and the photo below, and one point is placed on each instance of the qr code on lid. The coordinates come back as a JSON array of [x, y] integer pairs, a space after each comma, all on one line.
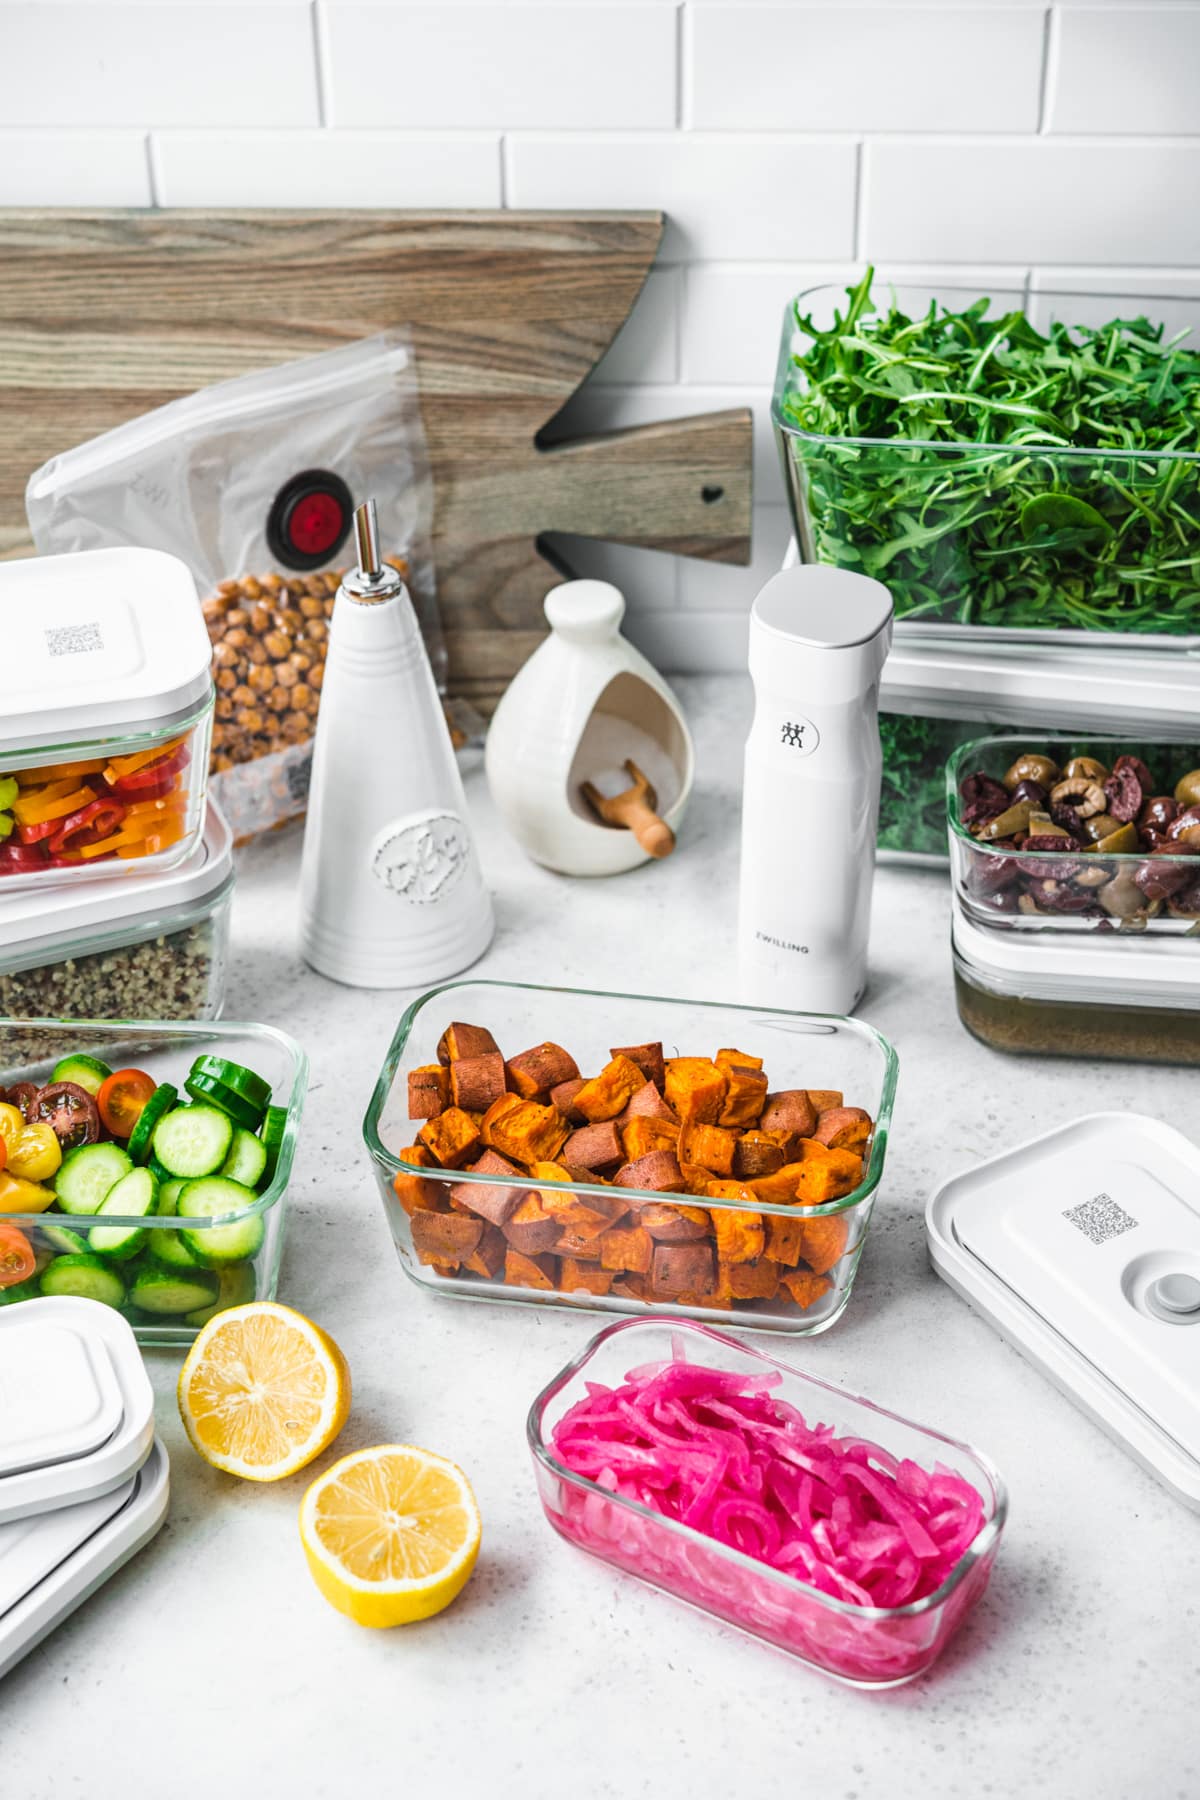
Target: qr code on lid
[[74, 640], [1100, 1219]]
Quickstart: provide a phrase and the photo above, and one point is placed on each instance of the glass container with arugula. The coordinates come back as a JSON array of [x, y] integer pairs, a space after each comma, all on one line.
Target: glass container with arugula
[[995, 475]]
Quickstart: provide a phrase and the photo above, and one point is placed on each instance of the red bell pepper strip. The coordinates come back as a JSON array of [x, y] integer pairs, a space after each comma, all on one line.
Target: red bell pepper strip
[[155, 778], [99, 819]]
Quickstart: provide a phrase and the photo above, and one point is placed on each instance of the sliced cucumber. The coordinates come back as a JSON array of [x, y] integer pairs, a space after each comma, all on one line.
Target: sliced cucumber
[[85, 1277], [210, 1092], [214, 1198], [247, 1158], [135, 1196], [238, 1288], [157, 1170], [193, 1141], [161, 1291], [87, 1174], [160, 1102], [25, 1290], [169, 1190], [235, 1076], [166, 1248], [273, 1127], [62, 1241], [87, 1072]]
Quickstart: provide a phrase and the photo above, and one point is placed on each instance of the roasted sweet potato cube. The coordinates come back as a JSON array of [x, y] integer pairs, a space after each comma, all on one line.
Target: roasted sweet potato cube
[[465, 1040], [825, 1099], [843, 1128], [446, 1239], [488, 1259], [428, 1091], [452, 1138], [527, 1132], [695, 1087], [778, 1189], [415, 1191], [642, 1136], [826, 1174], [530, 1271], [709, 1145], [477, 1081], [659, 1171], [632, 1287], [563, 1095], [789, 1110], [803, 1286], [789, 1143], [627, 1248], [491, 1201], [823, 1242], [531, 1229], [648, 1057], [583, 1246], [680, 1269], [745, 1097], [648, 1103], [609, 1092], [499, 1109], [535, 1072], [674, 1224], [754, 1280], [738, 1231], [785, 1238], [595, 1146], [576, 1277], [755, 1155], [738, 1059], [696, 1180]]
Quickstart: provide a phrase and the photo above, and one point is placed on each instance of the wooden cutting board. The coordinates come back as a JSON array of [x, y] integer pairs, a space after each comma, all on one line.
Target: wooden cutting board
[[104, 315]]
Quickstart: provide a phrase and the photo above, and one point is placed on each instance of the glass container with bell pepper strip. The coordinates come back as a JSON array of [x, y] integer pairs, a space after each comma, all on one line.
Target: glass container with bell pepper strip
[[104, 738]]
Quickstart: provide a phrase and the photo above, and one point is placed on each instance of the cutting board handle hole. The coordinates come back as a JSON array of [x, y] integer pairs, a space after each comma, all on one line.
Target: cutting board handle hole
[[710, 495]]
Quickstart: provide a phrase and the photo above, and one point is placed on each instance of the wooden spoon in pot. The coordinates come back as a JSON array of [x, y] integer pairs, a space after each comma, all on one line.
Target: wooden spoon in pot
[[634, 811]]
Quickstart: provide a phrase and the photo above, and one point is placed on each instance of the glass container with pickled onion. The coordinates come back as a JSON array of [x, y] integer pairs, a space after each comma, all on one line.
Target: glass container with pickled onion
[[106, 707]]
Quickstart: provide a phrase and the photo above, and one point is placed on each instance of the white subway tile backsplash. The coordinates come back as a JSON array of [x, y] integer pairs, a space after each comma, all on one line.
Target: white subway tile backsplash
[[73, 64], [725, 195], [726, 587], [697, 643], [647, 346], [1169, 298], [1042, 201], [328, 168], [873, 68], [74, 168], [647, 578], [1131, 70], [514, 66]]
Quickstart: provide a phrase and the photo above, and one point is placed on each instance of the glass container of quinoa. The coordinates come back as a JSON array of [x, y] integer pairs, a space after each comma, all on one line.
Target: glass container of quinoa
[[106, 710], [151, 949]]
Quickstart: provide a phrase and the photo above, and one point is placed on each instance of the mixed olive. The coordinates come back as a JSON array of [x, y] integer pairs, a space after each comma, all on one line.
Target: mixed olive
[[1066, 821]]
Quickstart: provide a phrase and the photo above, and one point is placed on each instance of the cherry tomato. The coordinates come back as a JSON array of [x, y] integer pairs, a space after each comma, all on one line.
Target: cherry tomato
[[121, 1099], [34, 1153], [69, 1110], [12, 1120], [3, 1153], [17, 1261], [23, 1096]]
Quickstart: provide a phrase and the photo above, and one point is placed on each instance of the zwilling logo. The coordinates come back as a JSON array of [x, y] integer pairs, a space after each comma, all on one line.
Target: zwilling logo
[[793, 734], [764, 937]]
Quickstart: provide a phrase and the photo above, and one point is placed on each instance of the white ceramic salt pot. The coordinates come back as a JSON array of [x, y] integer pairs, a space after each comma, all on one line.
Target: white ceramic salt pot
[[585, 702]]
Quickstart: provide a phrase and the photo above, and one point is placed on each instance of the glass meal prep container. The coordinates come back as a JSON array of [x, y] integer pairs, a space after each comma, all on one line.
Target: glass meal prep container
[[1123, 875], [864, 1646], [106, 710], [29, 1050], [991, 538], [1105, 996], [154, 948], [749, 1258]]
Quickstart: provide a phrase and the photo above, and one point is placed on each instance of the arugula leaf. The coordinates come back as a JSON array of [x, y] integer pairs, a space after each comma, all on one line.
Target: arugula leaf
[[998, 476]]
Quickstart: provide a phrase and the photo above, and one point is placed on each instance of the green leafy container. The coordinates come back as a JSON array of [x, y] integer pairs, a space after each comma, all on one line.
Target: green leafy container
[[1003, 468]]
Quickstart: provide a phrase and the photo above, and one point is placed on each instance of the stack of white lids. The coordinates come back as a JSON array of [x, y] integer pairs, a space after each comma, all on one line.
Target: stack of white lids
[[83, 1480]]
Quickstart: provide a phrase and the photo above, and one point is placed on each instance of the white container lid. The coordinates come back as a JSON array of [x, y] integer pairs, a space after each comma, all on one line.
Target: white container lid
[[1109, 968], [42, 919], [98, 644], [78, 1413], [50, 1565], [1083, 1248]]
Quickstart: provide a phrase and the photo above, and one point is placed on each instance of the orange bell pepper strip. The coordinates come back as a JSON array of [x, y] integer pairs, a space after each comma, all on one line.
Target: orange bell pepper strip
[[152, 843], [120, 766], [59, 771], [34, 810]]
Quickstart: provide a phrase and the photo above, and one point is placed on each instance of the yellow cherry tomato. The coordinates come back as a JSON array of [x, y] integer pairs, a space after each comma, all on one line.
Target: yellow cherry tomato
[[34, 1153], [11, 1122], [18, 1196]]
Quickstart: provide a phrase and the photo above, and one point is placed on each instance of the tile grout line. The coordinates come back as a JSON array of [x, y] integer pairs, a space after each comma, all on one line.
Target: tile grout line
[[502, 158], [860, 200], [1050, 41], [153, 169], [683, 46], [320, 45]]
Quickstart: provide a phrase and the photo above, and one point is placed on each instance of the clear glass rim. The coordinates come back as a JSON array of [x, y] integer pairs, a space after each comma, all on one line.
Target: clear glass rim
[[948, 446], [133, 740], [394, 1165], [202, 1032], [975, 747], [980, 1545]]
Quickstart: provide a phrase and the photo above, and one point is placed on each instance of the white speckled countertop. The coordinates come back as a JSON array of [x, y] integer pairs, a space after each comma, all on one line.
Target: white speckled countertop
[[211, 1666]]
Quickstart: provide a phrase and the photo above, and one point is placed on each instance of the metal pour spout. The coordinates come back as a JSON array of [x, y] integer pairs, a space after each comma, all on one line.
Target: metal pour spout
[[373, 580]]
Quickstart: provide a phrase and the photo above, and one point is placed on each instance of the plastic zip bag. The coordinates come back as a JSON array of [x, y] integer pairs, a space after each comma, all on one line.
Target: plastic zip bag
[[252, 482]]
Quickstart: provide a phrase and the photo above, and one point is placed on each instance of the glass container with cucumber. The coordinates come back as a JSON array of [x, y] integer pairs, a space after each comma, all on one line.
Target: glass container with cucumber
[[157, 1196]]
